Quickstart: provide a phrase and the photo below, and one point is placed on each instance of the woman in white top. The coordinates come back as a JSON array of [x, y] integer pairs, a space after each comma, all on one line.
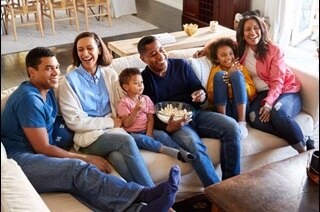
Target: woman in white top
[[87, 100]]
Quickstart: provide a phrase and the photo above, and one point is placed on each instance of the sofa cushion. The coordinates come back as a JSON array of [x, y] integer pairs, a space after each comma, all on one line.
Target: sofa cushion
[[17, 193], [258, 141], [63, 202], [201, 67], [254, 144], [184, 53], [132, 61], [161, 169]]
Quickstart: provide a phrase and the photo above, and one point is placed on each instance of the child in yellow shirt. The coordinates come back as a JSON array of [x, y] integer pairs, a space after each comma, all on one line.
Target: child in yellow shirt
[[230, 85]]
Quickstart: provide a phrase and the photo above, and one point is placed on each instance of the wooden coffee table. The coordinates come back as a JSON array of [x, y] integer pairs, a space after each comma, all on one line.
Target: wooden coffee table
[[280, 186], [200, 38]]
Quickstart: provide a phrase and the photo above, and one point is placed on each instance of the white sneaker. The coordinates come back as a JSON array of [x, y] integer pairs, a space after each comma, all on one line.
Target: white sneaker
[[243, 129]]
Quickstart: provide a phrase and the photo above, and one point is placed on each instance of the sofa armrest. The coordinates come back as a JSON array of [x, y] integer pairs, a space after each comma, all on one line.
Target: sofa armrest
[[5, 95], [309, 92], [17, 193]]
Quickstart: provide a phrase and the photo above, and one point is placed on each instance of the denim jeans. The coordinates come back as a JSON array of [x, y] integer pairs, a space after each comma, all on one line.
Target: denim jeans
[[239, 92], [282, 122], [161, 138], [96, 189], [207, 124], [123, 153]]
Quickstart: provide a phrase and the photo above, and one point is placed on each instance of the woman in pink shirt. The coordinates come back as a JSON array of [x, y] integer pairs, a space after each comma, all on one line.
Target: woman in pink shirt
[[136, 112], [278, 99]]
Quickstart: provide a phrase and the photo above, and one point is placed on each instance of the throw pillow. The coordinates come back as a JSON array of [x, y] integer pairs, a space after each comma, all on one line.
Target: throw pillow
[[62, 136]]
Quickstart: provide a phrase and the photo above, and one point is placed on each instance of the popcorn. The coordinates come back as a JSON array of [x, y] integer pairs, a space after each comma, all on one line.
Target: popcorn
[[170, 110]]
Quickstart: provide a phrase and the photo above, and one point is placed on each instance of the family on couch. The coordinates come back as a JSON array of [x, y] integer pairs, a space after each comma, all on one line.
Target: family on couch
[[98, 132]]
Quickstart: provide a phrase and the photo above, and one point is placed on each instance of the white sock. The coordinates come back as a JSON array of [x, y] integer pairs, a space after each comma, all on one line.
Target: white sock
[[243, 129]]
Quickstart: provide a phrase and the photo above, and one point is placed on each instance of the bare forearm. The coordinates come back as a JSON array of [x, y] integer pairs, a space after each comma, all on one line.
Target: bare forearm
[[150, 124], [38, 137], [54, 151], [128, 121]]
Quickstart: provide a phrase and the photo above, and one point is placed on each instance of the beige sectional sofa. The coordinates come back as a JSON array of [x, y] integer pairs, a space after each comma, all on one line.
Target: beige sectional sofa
[[257, 149]]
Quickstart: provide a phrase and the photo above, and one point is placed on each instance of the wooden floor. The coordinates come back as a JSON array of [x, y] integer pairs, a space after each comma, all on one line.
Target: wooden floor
[[167, 19]]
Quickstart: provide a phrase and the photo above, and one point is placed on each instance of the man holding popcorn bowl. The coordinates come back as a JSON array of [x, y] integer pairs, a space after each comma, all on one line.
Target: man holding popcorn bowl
[[167, 79]]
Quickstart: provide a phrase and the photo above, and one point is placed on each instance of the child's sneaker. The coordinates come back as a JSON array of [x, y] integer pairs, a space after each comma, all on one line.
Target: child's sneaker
[[243, 129], [185, 156]]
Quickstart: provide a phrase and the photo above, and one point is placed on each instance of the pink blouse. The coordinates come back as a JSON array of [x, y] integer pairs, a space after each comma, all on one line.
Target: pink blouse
[[275, 73]]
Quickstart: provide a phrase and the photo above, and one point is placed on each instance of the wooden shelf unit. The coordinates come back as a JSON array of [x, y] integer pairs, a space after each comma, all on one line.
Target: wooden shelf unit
[[201, 12]]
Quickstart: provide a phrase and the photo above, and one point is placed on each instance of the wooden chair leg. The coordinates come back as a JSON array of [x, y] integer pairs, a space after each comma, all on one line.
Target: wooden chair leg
[[4, 20], [14, 28], [86, 14], [68, 12], [36, 21], [109, 14], [40, 25], [100, 11], [21, 16], [43, 10], [52, 22], [76, 19]]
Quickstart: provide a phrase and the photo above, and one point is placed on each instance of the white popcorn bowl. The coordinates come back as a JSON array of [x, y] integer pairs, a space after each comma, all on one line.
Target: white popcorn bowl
[[178, 105]]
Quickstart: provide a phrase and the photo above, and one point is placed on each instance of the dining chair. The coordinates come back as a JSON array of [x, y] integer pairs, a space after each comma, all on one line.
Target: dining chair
[[50, 8], [4, 28], [24, 8], [98, 8]]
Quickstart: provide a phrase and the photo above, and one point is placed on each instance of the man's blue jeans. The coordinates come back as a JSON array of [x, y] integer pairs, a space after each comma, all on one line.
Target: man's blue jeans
[[282, 122], [239, 92], [160, 138], [123, 153], [96, 189], [207, 124]]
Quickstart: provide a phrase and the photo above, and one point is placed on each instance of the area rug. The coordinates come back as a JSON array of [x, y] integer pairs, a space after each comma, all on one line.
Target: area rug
[[29, 37], [194, 204]]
